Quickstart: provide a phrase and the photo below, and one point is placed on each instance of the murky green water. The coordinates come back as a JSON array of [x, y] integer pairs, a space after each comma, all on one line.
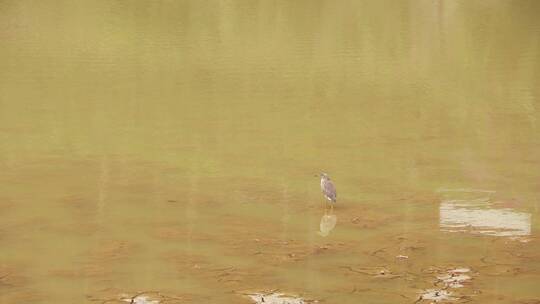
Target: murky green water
[[171, 146]]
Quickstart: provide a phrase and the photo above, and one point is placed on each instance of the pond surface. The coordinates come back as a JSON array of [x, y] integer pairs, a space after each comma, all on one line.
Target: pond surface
[[165, 152]]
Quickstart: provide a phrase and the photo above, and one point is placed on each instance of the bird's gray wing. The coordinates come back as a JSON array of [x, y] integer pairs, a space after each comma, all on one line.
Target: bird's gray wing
[[330, 190]]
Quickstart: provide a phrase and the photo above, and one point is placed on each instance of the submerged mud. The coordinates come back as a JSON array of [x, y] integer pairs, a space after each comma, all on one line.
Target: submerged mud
[[366, 255]]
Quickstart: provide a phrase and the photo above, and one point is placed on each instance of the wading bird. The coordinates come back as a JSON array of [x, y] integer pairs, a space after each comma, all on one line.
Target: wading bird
[[328, 189]]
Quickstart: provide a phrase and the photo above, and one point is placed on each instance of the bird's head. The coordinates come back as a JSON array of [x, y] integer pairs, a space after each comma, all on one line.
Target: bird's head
[[324, 175]]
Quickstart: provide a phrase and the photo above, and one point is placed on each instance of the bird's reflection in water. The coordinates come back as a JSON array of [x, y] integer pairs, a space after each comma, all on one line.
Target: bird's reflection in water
[[328, 222]]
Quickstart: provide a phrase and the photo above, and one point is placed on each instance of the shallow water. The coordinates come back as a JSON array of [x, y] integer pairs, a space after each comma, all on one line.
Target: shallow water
[[166, 151]]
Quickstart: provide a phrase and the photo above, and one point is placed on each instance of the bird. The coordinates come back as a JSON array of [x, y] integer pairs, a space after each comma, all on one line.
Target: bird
[[328, 188]]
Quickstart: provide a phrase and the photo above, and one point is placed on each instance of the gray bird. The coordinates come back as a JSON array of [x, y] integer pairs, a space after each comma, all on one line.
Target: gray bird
[[328, 188]]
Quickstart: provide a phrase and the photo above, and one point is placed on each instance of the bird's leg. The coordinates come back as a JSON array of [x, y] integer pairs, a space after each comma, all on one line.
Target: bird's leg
[[331, 207]]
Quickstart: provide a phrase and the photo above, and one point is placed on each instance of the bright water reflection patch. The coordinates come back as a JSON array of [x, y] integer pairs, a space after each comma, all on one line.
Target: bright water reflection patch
[[436, 295], [467, 210], [455, 278], [275, 298], [141, 300]]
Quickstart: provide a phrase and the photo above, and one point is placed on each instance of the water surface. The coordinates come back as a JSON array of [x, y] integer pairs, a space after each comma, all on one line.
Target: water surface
[[166, 151]]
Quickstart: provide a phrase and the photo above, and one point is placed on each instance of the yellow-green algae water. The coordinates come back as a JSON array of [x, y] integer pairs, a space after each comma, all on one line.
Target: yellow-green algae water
[[168, 149]]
